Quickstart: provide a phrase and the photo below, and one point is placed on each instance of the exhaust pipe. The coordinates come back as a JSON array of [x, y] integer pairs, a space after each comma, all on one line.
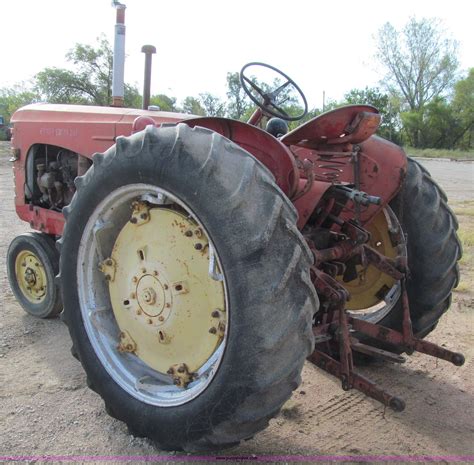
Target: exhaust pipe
[[119, 55], [148, 50]]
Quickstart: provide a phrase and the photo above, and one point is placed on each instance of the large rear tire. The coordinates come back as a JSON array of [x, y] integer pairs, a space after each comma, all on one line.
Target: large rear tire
[[263, 257], [433, 250]]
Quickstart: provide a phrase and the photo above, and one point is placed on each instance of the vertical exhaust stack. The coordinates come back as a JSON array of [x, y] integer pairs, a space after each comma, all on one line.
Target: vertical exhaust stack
[[119, 55], [148, 50]]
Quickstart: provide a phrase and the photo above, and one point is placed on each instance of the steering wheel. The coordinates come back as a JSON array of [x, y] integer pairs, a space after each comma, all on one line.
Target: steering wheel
[[268, 100]]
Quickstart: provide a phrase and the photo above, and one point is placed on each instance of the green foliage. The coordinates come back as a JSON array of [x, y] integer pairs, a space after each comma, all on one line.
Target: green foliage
[[238, 104], [164, 102], [15, 97], [420, 61], [212, 104], [463, 106], [90, 83], [387, 106], [193, 106]]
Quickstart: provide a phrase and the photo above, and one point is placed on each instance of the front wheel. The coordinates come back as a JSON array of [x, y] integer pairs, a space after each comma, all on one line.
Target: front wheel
[[189, 300], [32, 266]]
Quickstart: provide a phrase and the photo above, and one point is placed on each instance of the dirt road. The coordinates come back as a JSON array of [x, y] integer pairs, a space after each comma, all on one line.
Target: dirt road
[[46, 407]]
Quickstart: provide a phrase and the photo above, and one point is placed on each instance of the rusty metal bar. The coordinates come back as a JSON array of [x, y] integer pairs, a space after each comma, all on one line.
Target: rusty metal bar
[[359, 382], [390, 336]]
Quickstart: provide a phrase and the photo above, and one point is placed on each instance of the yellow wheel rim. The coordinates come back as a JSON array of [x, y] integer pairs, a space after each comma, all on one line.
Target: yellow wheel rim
[[371, 285], [31, 276], [170, 312]]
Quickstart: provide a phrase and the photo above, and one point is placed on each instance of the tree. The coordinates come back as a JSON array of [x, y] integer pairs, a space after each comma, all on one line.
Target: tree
[[212, 104], [164, 102], [387, 106], [238, 104], [463, 106], [89, 83], [421, 62], [12, 98], [193, 106]]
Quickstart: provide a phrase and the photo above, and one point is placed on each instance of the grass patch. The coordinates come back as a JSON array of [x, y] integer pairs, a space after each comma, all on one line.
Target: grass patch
[[440, 153], [464, 208], [466, 259], [467, 237]]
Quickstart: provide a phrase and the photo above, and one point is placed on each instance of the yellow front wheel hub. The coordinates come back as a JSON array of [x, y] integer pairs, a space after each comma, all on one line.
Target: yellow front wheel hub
[[170, 311], [31, 276]]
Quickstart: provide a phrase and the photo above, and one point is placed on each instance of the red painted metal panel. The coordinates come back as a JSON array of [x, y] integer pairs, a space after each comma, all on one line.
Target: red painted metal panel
[[330, 126]]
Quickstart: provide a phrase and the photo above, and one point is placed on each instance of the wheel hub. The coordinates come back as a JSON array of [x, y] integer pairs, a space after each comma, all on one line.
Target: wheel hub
[[169, 310], [371, 285], [31, 276]]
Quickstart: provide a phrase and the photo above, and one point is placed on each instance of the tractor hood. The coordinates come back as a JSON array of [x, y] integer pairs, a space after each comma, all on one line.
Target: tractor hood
[[81, 128]]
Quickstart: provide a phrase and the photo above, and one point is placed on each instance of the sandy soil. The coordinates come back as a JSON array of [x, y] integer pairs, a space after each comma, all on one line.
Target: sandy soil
[[46, 407]]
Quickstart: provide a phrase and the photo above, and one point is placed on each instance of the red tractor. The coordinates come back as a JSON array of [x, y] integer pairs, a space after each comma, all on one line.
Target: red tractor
[[201, 261]]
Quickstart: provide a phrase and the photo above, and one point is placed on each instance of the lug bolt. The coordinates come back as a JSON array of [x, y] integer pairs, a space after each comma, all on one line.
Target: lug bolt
[[133, 220], [161, 318], [109, 262], [198, 246], [213, 330], [188, 233], [215, 314]]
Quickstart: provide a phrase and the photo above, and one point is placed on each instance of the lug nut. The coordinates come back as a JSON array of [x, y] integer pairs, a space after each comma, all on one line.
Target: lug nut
[[215, 314], [132, 295], [143, 270], [213, 330], [198, 246], [134, 279], [150, 321], [188, 233], [181, 369], [144, 216], [139, 312], [108, 277], [161, 318], [133, 220], [155, 273], [176, 381], [170, 371], [109, 262]]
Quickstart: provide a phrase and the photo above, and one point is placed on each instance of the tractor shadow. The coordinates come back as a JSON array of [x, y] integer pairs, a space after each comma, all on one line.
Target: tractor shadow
[[438, 396]]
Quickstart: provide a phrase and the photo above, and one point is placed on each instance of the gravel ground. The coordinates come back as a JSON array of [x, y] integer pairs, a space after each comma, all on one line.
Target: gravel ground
[[46, 407]]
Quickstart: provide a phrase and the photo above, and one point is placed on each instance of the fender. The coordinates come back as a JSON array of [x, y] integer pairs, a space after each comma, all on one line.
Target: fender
[[263, 146]]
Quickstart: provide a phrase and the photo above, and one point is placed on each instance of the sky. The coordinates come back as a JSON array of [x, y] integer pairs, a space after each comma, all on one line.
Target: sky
[[324, 46]]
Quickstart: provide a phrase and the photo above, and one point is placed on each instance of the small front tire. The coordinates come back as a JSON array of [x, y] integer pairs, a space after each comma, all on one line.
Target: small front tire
[[32, 265]]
